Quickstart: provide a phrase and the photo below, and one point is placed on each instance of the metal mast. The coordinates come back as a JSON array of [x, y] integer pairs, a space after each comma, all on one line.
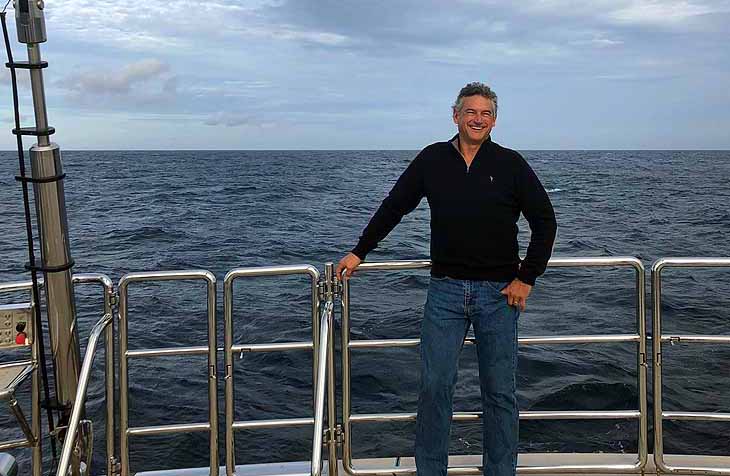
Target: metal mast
[[47, 179]]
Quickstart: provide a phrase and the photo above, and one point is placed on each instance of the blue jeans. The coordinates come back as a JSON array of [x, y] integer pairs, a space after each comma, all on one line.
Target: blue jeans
[[452, 306]]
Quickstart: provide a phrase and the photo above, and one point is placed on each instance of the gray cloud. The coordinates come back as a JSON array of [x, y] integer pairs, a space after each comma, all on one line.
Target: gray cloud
[[231, 119], [21, 76], [146, 85], [116, 83], [10, 119]]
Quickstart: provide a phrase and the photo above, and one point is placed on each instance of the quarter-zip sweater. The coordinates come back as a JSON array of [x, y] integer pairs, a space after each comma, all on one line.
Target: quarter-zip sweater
[[474, 213]]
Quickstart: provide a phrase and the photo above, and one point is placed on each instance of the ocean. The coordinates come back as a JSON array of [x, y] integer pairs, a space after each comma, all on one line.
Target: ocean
[[143, 211]]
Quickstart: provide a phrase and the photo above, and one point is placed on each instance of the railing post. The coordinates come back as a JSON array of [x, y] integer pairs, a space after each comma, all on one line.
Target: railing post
[[228, 373], [331, 286]]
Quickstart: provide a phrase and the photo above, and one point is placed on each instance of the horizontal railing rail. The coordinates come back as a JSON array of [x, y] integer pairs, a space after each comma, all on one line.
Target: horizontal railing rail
[[639, 337], [660, 415]]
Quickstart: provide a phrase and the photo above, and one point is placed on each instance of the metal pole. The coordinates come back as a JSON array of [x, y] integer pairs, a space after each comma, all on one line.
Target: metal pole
[[229, 389], [68, 445], [51, 215], [212, 375], [123, 380], [35, 411], [317, 439], [642, 364], [331, 280], [346, 387], [315, 337], [109, 380]]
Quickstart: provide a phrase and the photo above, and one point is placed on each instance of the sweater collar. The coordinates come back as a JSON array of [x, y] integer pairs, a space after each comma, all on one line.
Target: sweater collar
[[485, 145]]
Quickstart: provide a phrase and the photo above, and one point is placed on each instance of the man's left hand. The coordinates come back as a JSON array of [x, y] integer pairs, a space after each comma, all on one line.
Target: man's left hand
[[517, 293]]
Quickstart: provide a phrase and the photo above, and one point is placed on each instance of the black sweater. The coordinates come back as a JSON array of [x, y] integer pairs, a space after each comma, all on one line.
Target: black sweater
[[474, 213]]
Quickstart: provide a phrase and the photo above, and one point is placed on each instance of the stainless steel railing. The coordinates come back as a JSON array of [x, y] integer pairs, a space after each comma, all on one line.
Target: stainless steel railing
[[325, 327], [322, 345], [659, 338], [211, 426], [638, 337], [232, 425], [106, 283], [34, 442], [109, 362], [80, 398]]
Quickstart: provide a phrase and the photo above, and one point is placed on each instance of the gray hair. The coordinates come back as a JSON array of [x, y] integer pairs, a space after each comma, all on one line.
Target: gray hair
[[475, 89]]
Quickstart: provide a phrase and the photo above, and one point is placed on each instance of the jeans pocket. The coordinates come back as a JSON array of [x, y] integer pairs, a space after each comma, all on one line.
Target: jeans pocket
[[498, 286]]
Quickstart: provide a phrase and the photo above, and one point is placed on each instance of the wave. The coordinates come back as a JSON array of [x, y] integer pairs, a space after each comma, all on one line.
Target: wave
[[145, 233]]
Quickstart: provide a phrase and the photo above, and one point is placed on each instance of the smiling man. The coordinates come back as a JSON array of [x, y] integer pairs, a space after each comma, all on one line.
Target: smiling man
[[476, 190]]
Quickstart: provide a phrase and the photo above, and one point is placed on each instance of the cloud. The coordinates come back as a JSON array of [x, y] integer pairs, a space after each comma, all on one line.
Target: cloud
[[598, 42], [10, 119], [21, 76], [380, 66], [146, 85], [661, 13], [116, 83], [646, 13], [229, 119], [162, 25]]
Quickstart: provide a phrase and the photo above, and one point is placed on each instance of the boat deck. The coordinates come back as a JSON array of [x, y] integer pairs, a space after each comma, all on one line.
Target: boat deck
[[525, 462]]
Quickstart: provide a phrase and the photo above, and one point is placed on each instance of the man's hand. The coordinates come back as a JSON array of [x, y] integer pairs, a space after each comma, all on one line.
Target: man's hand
[[517, 293], [349, 262]]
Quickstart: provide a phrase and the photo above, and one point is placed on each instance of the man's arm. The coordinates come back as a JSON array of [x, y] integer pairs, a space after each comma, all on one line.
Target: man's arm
[[403, 198], [538, 211]]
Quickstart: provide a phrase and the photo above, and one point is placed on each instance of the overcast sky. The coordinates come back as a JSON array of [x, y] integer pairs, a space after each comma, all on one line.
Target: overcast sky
[[345, 74]]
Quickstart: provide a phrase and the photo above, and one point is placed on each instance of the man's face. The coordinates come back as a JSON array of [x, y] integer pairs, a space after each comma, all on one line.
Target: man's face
[[475, 119]]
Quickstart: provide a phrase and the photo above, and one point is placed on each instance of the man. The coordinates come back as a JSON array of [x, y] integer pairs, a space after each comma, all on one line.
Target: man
[[476, 190]]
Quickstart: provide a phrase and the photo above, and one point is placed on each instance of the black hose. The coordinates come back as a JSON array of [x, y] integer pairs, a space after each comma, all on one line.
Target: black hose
[[31, 251]]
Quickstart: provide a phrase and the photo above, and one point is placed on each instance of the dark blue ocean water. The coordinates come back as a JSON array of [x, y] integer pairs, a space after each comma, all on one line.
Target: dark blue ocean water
[[137, 211]]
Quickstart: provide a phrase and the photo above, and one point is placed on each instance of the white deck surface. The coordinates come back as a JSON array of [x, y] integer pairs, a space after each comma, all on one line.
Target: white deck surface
[[525, 460]]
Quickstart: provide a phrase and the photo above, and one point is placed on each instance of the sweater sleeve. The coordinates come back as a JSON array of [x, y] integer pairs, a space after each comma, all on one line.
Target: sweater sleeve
[[538, 211], [403, 198]]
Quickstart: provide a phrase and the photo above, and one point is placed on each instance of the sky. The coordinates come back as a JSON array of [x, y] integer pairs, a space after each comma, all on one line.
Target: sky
[[379, 74]]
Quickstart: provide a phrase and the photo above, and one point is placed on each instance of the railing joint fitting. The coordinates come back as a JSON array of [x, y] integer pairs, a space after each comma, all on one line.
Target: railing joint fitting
[[116, 466], [336, 439], [339, 435], [114, 298], [329, 290]]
